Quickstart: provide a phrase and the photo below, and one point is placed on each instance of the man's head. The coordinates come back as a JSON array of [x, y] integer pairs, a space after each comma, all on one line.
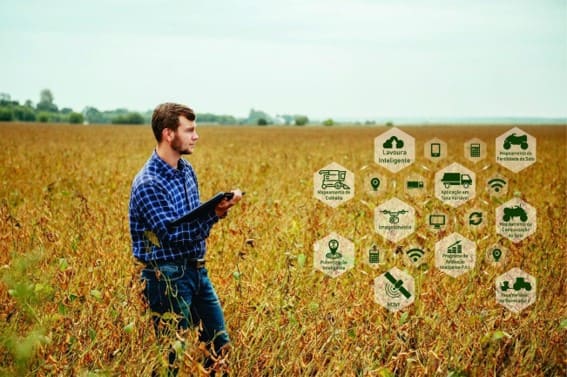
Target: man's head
[[166, 116]]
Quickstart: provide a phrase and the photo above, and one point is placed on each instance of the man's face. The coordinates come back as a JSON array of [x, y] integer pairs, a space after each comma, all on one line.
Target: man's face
[[185, 137]]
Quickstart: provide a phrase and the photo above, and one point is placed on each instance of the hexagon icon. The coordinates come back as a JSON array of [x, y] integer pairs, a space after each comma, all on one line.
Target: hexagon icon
[[475, 150], [455, 255], [515, 290], [437, 221], [475, 219], [455, 184], [496, 254], [394, 289], [333, 255], [515, 149], [374, 256], [394, 219], [435, 149], [497, 185], [394, 150], [333, 184], [516, 220], [415, 185], [375, 183]]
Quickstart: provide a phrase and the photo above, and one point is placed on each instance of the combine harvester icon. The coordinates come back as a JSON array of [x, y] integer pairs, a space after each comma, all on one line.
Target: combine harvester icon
[[334, 178]]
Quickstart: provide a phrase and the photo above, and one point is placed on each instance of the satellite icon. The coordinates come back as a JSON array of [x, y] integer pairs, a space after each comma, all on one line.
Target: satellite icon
[[396, 288]]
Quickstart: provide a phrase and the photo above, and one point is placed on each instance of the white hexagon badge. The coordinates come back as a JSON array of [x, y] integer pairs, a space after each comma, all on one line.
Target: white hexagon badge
[[437, 221], [455, 255], [515, 290], [516, 220], [435, 149], [333, 255], [515, 149], [475, 219], [394, 219], [455, 184], [333, 184], [375, 183], [415, 185], [394, 289], [394, 150]]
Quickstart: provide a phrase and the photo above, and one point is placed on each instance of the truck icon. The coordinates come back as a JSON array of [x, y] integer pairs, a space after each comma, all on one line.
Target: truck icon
[[519, 284], [516, 211], [513, 139], [334, 178], [456, 179]]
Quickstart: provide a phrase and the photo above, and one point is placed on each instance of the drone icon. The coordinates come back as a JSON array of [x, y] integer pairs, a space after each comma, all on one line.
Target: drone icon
[[394, 215]]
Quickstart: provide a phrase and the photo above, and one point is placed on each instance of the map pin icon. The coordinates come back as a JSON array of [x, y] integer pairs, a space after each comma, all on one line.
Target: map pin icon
[[496, 253], [375, 183]]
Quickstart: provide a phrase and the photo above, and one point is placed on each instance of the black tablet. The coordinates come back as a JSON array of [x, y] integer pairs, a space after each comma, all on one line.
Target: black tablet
[[208, 206]]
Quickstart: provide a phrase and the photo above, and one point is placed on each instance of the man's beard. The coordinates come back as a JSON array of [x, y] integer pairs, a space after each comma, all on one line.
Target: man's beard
[[177, 145]]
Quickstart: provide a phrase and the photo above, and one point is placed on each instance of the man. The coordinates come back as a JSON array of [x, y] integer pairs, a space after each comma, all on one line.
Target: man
[[174, 255]]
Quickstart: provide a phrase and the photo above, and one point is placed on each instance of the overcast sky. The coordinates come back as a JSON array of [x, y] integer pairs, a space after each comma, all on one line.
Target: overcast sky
[[322, 58]]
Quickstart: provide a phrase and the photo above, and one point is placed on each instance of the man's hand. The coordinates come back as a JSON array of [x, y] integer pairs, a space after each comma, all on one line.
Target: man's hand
[[222, 208]]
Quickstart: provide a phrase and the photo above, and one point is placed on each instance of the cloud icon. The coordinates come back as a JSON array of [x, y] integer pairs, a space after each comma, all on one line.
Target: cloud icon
[[388, 144]]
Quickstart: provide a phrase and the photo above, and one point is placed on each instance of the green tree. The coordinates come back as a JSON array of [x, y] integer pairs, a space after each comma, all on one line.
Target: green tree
[[128, 118], [328, 122], [256, 115], [6, 114], [76, 118], [46, 101], [93, 116], [301, 120]]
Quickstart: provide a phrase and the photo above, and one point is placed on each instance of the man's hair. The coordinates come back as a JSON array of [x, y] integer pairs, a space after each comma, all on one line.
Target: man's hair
[[167, 115]]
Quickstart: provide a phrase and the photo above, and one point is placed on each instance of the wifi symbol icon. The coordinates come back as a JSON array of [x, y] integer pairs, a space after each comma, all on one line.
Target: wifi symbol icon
[[415, 255], [497, 185]]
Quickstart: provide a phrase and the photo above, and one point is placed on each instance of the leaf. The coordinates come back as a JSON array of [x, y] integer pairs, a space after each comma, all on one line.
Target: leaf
[[386, 373], [301, 260], [236, 275], [151, 236], [499, 334], [404, 318], [129, 328], [63, 264], [96, 294], [563, 324]]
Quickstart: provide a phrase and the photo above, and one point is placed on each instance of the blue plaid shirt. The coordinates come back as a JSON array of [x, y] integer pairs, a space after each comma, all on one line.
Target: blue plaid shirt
[[161, 194]]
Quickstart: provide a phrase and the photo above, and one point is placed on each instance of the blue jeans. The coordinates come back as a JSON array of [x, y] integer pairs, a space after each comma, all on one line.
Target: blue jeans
[[188, 292]]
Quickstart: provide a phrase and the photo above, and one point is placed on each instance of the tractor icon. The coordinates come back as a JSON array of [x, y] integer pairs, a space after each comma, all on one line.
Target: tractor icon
[[516, 211], [334, 178], [513, 139], [394, 215], [519, 284]]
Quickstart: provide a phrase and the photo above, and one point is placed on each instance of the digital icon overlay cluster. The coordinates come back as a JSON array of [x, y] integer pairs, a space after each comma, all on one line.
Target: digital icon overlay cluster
[[453, 185]]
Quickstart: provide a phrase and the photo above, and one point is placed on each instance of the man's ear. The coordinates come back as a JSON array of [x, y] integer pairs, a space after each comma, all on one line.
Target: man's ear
[[167, 134]]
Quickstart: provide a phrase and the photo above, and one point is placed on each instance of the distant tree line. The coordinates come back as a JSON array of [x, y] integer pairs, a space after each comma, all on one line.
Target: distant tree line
[[46, 111]]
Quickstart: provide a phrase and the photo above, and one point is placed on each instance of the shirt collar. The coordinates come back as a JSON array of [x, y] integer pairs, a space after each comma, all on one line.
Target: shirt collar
[[165, 168]]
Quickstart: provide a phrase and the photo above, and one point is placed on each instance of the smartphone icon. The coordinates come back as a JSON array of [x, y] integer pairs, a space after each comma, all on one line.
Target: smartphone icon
[[435, 150]]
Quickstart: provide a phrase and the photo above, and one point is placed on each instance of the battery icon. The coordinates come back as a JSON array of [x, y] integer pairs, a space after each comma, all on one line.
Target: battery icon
[[414, 184]]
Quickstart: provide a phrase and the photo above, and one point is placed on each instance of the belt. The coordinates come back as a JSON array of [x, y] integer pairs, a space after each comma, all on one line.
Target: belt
[[187, 262]]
